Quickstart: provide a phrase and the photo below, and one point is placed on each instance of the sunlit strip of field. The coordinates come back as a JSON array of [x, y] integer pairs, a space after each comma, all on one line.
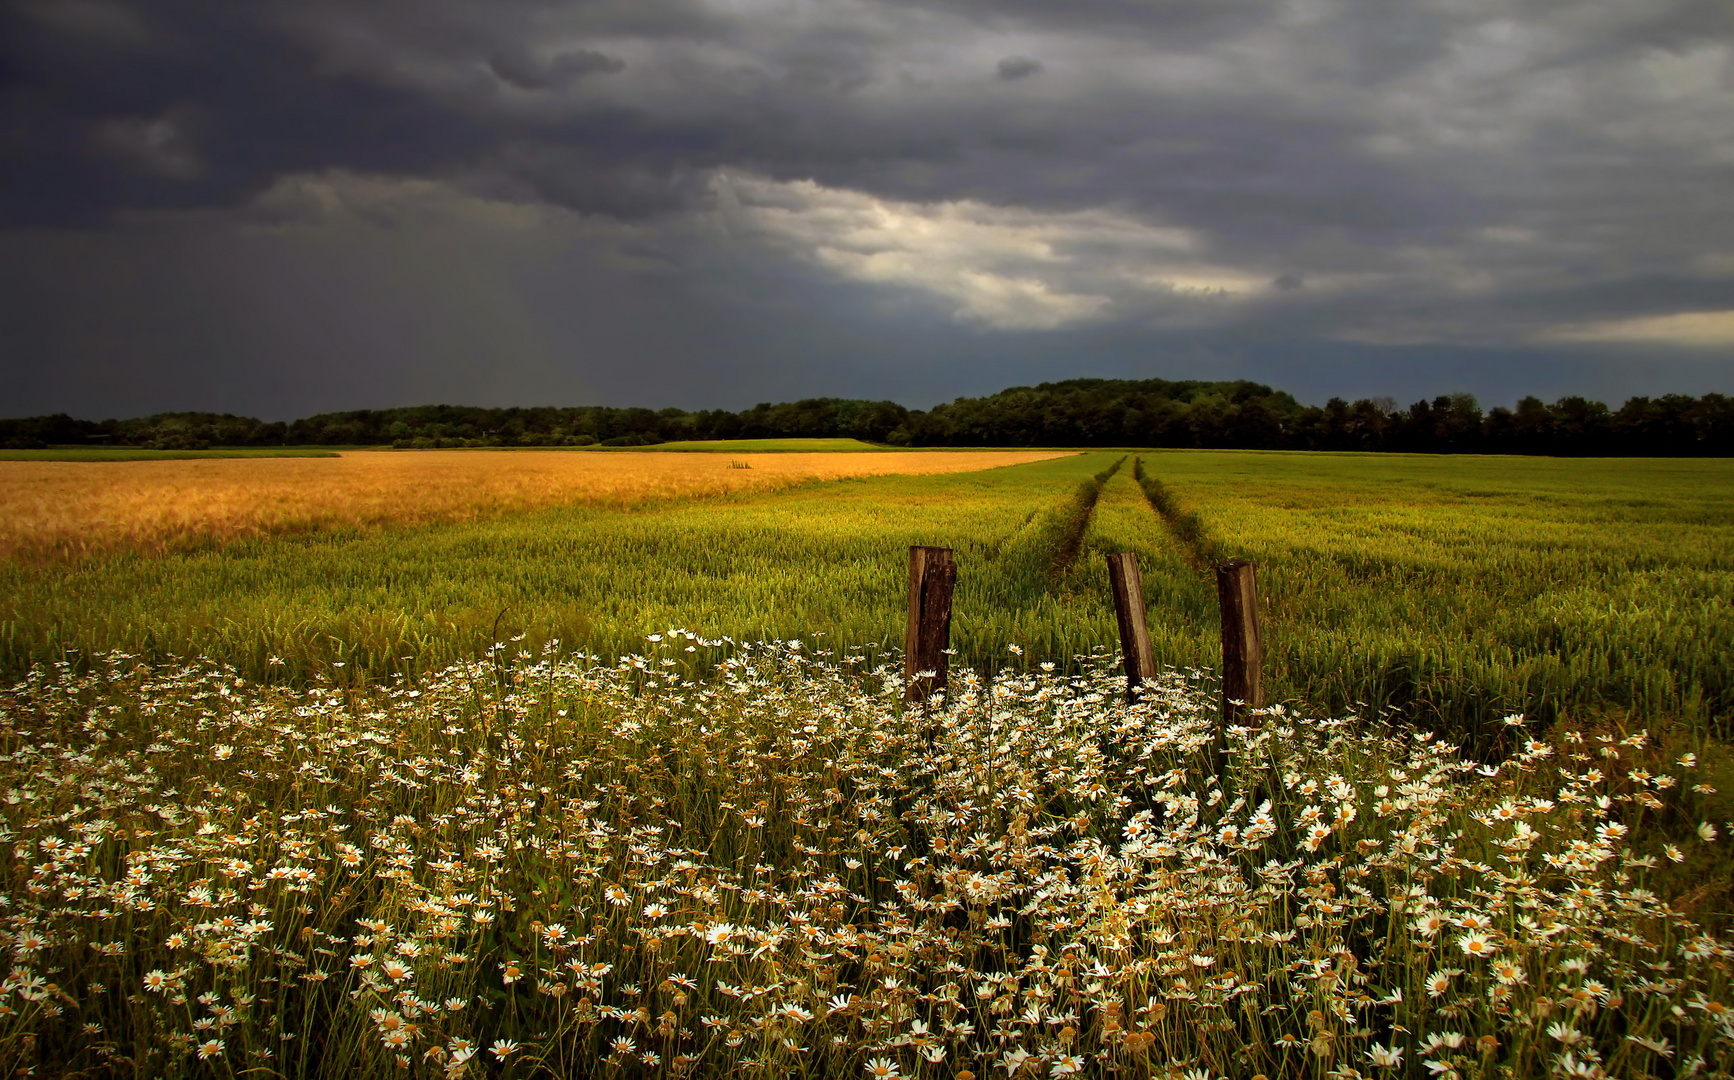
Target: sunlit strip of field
[[825, 562], [52, 509]]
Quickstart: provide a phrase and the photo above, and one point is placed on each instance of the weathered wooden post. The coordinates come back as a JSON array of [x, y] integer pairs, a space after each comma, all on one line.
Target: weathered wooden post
[[932, 573], [1242, 638], [1128, 588]]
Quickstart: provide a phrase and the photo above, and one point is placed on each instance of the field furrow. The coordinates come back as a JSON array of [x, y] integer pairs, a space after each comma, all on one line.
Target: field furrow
[[1042, 555]]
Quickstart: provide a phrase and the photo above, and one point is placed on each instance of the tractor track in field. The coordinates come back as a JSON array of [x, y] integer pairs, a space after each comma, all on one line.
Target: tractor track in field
[[1073, 520], [1202, 550], [1044, 549]]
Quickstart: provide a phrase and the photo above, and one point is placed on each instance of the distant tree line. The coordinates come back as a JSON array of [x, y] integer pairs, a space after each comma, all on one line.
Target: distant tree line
[[431, 426], [1248, 415], [1077, 412]]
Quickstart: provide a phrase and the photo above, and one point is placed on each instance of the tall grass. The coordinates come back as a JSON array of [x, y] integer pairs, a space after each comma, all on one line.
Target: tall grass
[[596, 844]]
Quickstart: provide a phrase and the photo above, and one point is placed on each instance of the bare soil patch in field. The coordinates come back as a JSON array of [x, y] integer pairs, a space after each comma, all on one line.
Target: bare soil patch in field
[[52, 509]]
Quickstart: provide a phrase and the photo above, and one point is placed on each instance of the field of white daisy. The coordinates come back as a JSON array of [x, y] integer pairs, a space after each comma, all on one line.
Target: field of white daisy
[[715, 858]]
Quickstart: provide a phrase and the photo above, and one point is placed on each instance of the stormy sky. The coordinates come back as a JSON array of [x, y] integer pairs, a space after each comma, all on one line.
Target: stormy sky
[[280, 207]]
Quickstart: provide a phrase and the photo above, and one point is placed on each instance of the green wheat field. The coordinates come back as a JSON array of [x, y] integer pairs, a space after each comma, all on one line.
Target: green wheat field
[[632, 790]]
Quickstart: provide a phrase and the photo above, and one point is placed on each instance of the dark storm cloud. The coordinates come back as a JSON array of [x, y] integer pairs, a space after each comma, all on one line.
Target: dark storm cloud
[[1376, 171], [430, 88], [254, 107], [1183, 22], [527, 73]]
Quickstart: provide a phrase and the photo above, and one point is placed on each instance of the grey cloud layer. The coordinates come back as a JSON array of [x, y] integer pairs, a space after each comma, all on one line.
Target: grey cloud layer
[[1397, 171]]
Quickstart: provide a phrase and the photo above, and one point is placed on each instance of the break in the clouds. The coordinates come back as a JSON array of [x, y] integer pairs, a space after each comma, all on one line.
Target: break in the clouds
[[316, 204], [1004, 268]]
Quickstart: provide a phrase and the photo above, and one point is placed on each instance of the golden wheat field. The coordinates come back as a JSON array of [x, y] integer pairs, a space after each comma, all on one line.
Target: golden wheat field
[[57, 508]]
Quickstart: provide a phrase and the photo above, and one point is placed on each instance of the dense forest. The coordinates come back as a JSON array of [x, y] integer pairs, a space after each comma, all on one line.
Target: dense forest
[[1077, 412]]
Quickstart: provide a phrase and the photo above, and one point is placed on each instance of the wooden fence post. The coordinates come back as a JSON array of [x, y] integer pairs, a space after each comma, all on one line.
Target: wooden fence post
[[932, 573], [1128, 588], [1242, 638]]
